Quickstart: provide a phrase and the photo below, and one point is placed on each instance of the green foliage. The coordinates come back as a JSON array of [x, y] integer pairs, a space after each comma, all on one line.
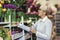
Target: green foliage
[[3, 34], [13, 13], [18, 2], [0, 11]]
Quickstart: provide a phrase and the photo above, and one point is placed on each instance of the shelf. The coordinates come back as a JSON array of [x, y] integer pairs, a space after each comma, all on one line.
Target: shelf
[[3, 23], [19, 35], [6, 24], [9, 26]]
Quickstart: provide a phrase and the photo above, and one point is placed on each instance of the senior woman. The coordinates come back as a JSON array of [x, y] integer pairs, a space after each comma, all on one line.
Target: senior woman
[[43, 27]]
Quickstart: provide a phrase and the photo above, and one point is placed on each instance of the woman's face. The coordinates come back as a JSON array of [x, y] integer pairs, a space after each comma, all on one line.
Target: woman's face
[[40, 13]]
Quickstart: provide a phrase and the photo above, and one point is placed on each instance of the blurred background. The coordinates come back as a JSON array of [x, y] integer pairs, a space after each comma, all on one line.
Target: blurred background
[[29, 10]]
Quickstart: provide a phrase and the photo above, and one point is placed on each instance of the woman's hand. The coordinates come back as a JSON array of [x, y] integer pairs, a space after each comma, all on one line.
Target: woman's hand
[[33, 30]]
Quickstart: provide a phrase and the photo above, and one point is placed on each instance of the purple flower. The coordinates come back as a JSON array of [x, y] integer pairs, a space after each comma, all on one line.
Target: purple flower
[[12, 6], [13, 32], [34, 12], [30, 1]]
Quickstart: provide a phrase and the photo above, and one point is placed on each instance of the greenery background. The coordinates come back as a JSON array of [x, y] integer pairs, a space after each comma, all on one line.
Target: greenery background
[[16, 16]]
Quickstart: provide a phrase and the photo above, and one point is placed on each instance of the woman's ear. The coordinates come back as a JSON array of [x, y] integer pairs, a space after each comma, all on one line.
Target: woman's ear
[[44, 13]]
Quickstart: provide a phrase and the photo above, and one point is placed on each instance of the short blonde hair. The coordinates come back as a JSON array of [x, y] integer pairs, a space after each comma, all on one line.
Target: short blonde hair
[[44, 9]]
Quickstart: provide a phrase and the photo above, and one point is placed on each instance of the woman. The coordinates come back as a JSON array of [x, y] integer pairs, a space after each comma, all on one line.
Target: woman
[[43, 27]]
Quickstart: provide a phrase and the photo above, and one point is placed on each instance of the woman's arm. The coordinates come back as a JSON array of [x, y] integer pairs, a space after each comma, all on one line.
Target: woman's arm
[[46, 34]]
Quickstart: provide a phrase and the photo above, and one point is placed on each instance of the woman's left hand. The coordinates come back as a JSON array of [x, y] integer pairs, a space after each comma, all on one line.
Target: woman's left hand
[[32, 30]]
